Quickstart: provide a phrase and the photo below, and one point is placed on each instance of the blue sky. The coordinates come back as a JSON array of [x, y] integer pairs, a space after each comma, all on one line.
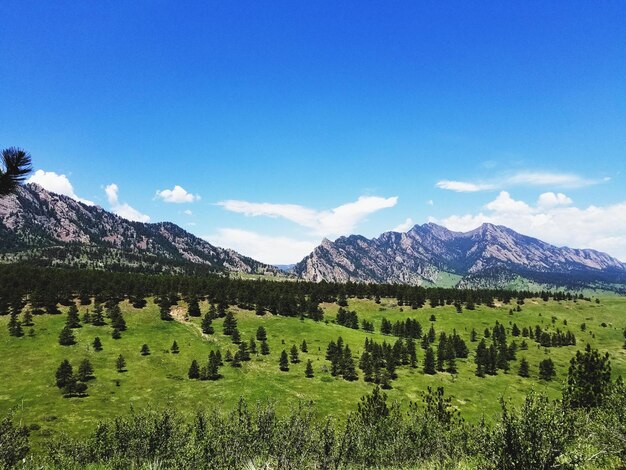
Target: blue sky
[[276, 114]]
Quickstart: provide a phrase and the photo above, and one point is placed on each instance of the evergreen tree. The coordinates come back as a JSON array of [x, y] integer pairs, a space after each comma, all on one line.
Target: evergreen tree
[[308, 372], [294, 355], [515, 331], [120, 363], [347, 366], [145, 350], [588, 379], [252, 346], [265, 349], [261, 334], [236, 362], [66, 337], [15, 326], [194, 370], [230, 324], [97, 318], [303, 347], [236, 336], [429, 362], [284, 361], [85, 371], [97, 344], [73, 320], [174, 349], [244, 352], [64, 374], [385, 327], [207, 327], [228, 357], [523, 368], [193, 308], [473, 336], [546, 370], [259, 310]]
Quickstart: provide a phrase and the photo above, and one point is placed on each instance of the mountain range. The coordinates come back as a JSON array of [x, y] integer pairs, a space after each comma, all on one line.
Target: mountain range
[[48, 229], [38, 226], [488, 256]]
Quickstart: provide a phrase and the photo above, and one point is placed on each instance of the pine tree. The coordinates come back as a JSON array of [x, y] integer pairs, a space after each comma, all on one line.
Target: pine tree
[[261, 334], [15, 326], [294, 355], [73, 320], [429, 362], [252, 346], [194, 370], [230, 324], [284, 361], [97, 344], [193, 309], [66, 337], [303, 347], [236, 362], [236, 336], [348, 369], [385, 326], [259, 310], [473, 335], [308, 372], [228, 357], [64, 374], [174, 349], [265, 349], [145, 350], [97, 318], [115, 334], [546, 370], [207, 325], [523, 368], [120, 363], [85, 371], [244, 352]]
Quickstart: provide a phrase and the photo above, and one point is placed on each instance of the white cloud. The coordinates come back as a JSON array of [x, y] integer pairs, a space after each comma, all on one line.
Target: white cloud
[[404, 226], [178, 195], [123, 209], [341, 220], [56, 183], [187, 212], [553, 219], [522, 178], [463, 186], [268, 249], [430, 202], [552, 200]]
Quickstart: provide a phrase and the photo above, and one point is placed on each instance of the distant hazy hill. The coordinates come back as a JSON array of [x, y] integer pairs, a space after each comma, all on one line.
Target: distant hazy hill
[[49, 229], [487, 256]]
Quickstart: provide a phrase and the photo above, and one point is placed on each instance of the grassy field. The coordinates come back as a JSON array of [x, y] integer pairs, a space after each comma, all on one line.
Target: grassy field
[[160, 379]]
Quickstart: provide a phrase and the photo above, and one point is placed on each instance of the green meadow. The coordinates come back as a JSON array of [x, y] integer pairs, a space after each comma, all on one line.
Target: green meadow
[[160, 379]]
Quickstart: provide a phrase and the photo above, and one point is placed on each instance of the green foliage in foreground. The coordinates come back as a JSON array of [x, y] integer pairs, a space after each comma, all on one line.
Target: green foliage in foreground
[[541, 434]]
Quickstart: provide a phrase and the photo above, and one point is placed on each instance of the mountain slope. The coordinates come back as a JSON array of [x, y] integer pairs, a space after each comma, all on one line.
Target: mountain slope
[[430, 254], [47, 228]]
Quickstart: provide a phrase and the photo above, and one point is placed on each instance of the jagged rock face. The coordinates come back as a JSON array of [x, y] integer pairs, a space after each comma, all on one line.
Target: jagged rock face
[[487, 253], [34, 218]]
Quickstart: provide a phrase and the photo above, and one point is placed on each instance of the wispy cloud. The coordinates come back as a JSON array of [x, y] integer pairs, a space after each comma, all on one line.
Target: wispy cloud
[[554, 219], [123, 209], [177, 195], [59, 184], [522, 178], [268, 249], [341, 220]]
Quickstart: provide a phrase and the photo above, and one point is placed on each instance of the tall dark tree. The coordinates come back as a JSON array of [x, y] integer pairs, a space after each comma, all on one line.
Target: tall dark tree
[[15, 325], [523, 368], [145, 350], [175, 349], [73, 320], [207, 324], [85, 371], [265, 348], [194, 370], [546, 370], [230, 324], [429, 361], [261, 334], [294, 354], [588, 379], [308, 372], [66, 337], [284, 361], [193, 308], [64, 374], [16, 165], [97, 344]]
